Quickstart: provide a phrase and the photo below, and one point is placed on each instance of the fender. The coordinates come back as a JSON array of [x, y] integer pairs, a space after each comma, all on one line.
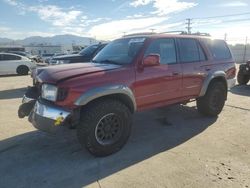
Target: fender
[[209, 78], [98, 92]]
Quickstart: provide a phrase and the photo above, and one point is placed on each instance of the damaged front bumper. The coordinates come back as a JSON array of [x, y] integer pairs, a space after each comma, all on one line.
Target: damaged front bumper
[[47, 117], [43, 115]]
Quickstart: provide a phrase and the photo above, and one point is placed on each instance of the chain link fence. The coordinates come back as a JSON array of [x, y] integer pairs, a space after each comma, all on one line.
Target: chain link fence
[[240, 48]]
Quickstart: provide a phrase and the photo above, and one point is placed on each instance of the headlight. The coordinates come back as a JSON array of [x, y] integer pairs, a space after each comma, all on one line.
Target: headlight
[[49, 92], [62, 62]]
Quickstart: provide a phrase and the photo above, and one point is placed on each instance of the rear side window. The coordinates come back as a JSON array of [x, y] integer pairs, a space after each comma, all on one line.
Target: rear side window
[[7, 57], [219, 49], [190, 51], [165, 48]]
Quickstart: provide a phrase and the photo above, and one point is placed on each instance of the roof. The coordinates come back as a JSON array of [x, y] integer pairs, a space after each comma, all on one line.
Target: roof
[[171, 35]]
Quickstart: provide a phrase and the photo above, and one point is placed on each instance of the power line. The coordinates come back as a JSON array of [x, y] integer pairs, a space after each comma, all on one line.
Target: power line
[[224, 21], [222, 16]]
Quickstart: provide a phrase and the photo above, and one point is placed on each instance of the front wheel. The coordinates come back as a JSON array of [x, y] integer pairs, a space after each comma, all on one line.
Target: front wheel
[[104, 127], [214, 100]]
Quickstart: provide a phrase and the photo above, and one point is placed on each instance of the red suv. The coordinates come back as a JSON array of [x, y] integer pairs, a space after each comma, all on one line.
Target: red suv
[[130, 74]]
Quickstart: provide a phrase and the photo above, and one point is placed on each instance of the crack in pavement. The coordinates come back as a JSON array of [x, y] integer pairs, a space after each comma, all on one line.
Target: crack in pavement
[[236, 107]]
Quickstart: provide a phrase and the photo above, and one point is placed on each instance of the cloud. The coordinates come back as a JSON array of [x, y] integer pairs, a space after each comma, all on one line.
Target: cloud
[[114, 29], [234, 4], [12, 2], [138, 3], [164, 7], [56, 15]]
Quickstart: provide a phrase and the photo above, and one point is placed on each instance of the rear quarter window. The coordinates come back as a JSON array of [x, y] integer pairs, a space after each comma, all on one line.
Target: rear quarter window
[[218, 49]]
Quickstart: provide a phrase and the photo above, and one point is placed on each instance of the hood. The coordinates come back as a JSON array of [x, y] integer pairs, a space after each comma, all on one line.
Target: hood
[[67, 57], [55, 74]]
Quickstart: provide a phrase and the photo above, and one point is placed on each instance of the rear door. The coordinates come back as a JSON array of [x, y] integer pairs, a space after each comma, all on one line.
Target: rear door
[[192, 57], [158, 85]]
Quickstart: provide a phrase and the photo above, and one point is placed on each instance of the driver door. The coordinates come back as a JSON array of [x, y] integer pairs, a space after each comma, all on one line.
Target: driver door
[[159, 85]]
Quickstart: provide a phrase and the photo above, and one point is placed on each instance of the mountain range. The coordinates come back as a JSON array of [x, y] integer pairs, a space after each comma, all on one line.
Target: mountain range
[[54, 40]]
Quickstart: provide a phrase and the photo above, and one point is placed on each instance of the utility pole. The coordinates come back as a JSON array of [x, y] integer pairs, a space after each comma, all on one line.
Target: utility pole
[[225, 37], [124, 33], [245, 50], [152, 30], [189, 25]]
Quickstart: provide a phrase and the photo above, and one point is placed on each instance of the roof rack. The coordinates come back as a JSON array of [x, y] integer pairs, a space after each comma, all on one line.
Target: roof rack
[[201, 34], [168, 32], [143, 33], [175, 32]]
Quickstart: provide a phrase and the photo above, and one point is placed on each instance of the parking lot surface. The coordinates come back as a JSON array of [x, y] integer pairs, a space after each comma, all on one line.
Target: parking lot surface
[[169, 147]]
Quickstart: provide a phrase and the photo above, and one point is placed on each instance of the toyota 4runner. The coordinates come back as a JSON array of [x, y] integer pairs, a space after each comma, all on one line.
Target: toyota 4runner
[[130, 74]]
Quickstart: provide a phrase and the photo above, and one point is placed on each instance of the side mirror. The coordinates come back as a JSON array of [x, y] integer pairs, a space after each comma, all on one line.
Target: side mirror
[[151, 60]]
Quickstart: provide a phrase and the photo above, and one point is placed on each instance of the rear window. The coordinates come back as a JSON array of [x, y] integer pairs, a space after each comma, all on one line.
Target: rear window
[[219, 49]]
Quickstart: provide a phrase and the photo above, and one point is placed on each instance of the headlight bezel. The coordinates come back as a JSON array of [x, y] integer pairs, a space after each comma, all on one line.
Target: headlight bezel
[[49, 92]]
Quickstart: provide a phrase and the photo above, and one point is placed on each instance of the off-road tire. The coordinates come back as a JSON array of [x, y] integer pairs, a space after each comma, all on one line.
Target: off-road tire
[[241, 78], [90, 119], [214, 100], [22, 70]]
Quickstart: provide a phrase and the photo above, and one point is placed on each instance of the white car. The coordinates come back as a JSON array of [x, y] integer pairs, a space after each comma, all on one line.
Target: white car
[[13, 63]]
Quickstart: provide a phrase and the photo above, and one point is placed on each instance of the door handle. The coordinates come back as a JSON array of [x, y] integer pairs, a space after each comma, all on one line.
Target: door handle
[[175, 73]]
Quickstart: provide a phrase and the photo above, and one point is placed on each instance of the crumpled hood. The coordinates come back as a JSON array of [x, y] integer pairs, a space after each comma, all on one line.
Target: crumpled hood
[[55, 74]]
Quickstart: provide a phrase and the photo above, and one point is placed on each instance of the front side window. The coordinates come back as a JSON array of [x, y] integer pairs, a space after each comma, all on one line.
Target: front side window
[[120, 51], [189, 51], [8, 57], [165, 48]]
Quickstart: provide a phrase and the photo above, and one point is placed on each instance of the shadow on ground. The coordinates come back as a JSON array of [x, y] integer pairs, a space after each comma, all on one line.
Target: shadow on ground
[[12, 93], [241, 90], [36, 159]]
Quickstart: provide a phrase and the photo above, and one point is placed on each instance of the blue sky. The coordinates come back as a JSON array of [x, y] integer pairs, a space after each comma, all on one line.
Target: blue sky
[[108, 19]]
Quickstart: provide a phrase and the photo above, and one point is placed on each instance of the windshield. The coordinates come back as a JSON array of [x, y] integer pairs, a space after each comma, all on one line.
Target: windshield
[[88, 51], [121, 51]]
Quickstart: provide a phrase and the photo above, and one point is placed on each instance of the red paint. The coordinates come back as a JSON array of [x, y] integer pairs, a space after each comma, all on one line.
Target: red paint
[[153, 86]]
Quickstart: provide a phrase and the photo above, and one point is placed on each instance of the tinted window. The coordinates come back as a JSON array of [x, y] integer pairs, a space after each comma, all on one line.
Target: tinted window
[[201, 54], [88, 51], [120, 51], [219, 49], [165, 48], [7, 57], [189, 51]]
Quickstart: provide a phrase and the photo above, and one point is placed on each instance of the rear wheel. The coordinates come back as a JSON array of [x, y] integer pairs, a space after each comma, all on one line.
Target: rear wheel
[[22, 70], [104, 127], [214, 100], [242, 78]]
